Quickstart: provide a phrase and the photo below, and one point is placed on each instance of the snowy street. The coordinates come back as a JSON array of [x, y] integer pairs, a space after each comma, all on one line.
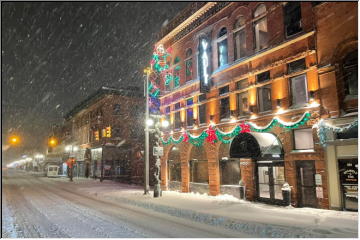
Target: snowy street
[[35, 206]]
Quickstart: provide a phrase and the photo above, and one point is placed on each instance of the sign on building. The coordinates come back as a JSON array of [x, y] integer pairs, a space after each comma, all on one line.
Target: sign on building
[[204, 60], [158, 151]]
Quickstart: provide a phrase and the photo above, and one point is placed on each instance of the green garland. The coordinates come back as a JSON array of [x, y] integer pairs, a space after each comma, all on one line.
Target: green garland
[[220, 135]]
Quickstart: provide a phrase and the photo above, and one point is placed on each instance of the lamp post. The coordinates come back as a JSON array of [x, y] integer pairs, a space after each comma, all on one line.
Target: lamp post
[[147, 122], [71, 150]]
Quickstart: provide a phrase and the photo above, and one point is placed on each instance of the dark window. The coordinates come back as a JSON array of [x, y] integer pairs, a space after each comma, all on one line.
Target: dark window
[[188, 65], [116, 132], [224, 108], [177, 120], [242, 84], [202, 113], [239, 38], [351, 132], [260, 28], [292, 15], [222, 48], [174, 165], [264, 97], [116, 109], [167, 110], [202, 97], [224, 90], [350, 71], [262, 77], [298, 90], [297, 65], [177, 106], [189, 117], [242, 103]]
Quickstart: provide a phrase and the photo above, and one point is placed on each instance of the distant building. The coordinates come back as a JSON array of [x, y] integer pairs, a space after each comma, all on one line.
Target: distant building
[[274, 68], [105, 135]]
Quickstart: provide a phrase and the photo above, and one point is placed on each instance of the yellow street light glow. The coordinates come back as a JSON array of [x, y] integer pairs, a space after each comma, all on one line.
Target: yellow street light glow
[[14, 140]]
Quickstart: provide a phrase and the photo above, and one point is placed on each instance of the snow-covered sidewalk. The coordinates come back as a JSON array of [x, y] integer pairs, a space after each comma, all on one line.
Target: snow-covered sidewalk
[[229, 212]]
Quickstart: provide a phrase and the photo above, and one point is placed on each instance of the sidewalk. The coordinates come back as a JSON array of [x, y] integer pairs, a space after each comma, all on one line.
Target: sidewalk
[[229, 212]]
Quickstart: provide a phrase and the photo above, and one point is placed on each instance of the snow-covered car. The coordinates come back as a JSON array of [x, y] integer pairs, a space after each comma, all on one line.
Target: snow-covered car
[[52, 171]]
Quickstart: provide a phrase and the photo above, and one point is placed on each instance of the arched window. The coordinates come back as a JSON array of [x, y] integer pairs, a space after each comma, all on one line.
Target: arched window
[[239, 38], [260, 28], [350, 73], [222, 47], [188, 65]]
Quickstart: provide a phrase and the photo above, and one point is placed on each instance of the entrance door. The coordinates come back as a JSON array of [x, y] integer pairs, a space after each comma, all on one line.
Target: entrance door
[[348, 171], [305, 171], [270, 179]]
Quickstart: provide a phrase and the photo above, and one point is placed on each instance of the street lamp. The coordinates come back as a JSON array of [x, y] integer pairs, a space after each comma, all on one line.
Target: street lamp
[[14, 140], [147, 71], [70, 162]]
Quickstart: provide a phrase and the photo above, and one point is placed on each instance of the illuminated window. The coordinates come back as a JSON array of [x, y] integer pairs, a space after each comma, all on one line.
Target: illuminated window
[[243, 103], [222, 47], [260, 28], [303, 139], [188, 65], [239, 38]]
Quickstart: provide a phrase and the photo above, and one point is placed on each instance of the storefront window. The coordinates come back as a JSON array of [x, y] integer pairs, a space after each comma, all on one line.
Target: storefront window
[[263, 178], [174, 165], [198, 166], [229, 168], [279, 180], [348, 170]]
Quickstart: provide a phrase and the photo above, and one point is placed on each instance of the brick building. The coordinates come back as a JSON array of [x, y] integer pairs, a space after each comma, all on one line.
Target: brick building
[[262, 66], [102, 133]]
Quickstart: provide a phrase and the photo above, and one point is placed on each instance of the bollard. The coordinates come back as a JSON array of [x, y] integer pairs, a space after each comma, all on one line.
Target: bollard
[[157, 190], [286, 192], [242, 190]]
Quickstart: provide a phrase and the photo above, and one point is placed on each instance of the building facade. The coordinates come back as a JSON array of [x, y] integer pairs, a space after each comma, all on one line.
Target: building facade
[[245, 85], [102, 134]]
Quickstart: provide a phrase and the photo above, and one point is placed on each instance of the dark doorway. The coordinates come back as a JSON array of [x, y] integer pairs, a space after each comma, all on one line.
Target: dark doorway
[[305, 171], [270, 179]]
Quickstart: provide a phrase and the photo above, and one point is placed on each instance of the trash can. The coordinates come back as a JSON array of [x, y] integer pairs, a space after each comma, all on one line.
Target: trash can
[[286, 193], [242, 189]]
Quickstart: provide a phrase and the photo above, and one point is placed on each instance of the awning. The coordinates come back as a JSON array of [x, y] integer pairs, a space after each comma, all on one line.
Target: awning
[[259, 146]]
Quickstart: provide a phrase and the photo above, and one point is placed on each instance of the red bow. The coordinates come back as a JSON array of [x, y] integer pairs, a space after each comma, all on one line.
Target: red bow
[[186, 137], [245, 128], [211, 138]]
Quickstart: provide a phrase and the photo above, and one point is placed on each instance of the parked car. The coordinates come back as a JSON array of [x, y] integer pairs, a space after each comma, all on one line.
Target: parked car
[[52, 171]]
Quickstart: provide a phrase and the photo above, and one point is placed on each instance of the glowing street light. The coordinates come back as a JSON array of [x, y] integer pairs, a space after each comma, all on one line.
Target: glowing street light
[[53, 142], [14, 140]]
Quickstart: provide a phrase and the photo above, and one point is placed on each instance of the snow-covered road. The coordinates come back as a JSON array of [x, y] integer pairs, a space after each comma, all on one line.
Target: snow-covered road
[[39, 207]]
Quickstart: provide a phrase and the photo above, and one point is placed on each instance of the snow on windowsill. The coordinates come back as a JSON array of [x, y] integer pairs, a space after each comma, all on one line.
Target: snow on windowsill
[[303, 151]]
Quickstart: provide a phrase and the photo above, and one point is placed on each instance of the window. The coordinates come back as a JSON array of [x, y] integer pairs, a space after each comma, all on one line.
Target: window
[[116, 132], [298, 90], [224, 90], [242, 84], [202, 97], [263, 77], [224, 108], [260, 28], [188, 65], [177, 106], [167, 110], [189, 117], [174, 165], [264, 98], [350, 72], [222, 47], [239, 38], [303, 139], [292, 17], [177, 120], [296, 66], [116, 109], [202, 113], [242, 103]]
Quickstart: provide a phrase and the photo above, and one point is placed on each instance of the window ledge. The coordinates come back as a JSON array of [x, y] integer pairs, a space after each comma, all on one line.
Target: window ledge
[[303, 151]]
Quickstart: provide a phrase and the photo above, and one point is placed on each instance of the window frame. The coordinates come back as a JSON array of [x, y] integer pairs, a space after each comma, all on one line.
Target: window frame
[[258, 98], [256, 20], [199, 113], [300, 21], [242, 113], [235, 32], [218, 41], [227, 113], [294, 139], [291, 92]]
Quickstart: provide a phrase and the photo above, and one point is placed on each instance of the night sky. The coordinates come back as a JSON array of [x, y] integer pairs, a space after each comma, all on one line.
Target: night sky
[[55, 54]]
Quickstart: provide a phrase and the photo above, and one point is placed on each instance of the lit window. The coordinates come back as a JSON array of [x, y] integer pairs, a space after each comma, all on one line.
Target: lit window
[[188, 65], [303, 139], [299, 94], [224, 108], [239, 38], [260, 28], [264, 97], [292, 17], [222, 47]]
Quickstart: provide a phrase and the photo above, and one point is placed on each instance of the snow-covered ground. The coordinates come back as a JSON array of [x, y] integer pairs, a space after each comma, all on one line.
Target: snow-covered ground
[[177, 214]]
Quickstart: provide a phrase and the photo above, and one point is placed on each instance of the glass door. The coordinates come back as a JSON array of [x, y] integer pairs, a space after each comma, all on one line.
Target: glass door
[[348, 171], [271, 177]]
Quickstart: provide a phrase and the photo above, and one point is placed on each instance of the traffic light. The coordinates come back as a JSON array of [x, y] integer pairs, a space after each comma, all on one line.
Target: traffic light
[[108, 132]]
